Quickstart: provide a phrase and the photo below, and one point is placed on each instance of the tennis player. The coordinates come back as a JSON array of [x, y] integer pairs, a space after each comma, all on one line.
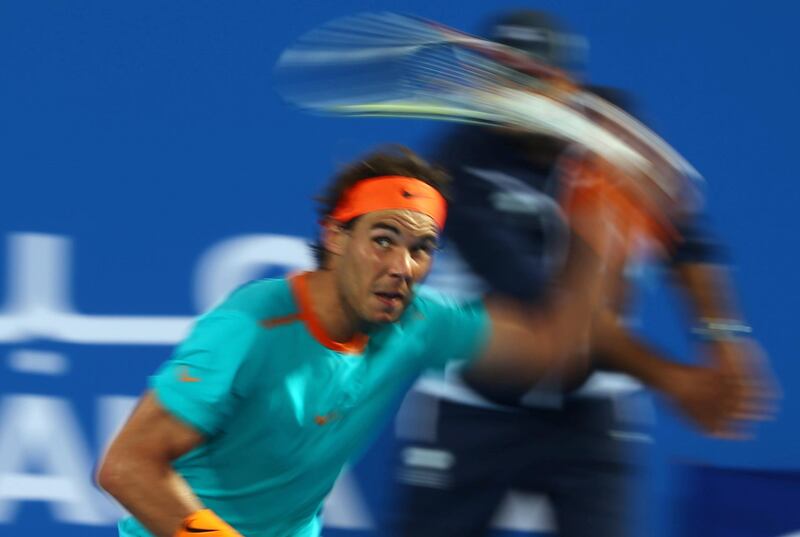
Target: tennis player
[[245, 430]]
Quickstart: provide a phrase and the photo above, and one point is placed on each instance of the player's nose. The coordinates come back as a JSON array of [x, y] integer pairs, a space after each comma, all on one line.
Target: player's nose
[[401, 264]]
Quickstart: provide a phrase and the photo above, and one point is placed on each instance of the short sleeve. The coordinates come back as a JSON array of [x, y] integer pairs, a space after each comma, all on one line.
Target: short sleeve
[[202, 381], [456, 330]]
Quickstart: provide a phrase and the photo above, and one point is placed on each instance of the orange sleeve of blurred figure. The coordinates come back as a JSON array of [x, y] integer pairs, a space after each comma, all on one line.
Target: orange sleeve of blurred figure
[[590, 179]]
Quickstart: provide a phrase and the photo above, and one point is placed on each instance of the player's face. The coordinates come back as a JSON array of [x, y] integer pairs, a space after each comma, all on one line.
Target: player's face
[[385, 254]]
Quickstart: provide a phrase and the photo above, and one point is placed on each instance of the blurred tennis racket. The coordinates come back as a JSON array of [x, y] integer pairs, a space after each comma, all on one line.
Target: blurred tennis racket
[[386, 64]]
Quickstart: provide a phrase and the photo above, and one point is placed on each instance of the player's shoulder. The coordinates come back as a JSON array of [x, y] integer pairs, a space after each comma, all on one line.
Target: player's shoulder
[[430, 302], [260, 299], [426, 296]]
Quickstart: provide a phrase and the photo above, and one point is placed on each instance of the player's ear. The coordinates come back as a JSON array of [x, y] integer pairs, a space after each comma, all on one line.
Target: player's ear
[[334, 236]]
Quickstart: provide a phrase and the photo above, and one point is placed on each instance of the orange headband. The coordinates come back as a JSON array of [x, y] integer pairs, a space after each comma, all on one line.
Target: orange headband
[[391, 192]]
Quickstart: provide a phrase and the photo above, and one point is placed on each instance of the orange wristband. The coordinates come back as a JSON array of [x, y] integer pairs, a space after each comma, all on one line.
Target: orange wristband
[[206, 522]]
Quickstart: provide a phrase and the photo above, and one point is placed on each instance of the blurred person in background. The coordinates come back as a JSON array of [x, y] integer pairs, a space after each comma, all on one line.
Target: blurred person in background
[[467, 440], [247, 427]]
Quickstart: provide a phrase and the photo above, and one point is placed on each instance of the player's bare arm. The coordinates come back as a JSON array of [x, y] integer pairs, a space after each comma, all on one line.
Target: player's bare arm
[[137, 468]]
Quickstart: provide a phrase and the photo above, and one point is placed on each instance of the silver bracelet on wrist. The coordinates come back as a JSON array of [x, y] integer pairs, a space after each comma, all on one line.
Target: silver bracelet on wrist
[[709, 329]]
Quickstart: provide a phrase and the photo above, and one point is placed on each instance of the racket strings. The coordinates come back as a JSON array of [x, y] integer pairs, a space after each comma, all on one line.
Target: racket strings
[[396, 65], [372, 30], [427, 53]]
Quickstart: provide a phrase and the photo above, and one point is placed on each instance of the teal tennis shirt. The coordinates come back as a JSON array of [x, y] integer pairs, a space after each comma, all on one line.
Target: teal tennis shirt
[[283, 408]]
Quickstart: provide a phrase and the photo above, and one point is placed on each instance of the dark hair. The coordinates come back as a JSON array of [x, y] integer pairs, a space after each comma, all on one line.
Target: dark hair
[[388, 160]]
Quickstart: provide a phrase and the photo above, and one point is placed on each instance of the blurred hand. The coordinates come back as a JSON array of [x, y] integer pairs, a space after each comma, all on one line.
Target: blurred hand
[[701, 394], [725, 397], [754, 390]]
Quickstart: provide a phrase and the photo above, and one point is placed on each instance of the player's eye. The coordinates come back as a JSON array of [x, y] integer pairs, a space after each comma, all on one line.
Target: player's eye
[[426, 249], [383, 241]]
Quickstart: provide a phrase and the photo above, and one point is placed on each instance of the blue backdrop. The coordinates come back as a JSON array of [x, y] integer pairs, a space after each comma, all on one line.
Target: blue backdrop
[[147, 167]]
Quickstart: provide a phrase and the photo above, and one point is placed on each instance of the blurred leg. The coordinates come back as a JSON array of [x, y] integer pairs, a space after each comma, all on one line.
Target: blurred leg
[[597, 474], [451, 485]]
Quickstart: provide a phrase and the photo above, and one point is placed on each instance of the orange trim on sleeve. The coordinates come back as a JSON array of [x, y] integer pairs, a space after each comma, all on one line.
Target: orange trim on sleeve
[[356, 345]]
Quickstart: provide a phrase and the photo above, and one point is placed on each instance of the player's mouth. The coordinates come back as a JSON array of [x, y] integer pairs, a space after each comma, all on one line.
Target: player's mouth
[[390, 299]]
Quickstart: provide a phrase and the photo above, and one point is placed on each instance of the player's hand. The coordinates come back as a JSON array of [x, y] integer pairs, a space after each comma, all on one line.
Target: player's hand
[[703, 395], [755, 392]]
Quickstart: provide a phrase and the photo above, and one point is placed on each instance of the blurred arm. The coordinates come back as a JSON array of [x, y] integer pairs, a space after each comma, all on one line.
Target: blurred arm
[[700, 393], [712, 298], [528, 339], [137, 469], [708, 290]]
